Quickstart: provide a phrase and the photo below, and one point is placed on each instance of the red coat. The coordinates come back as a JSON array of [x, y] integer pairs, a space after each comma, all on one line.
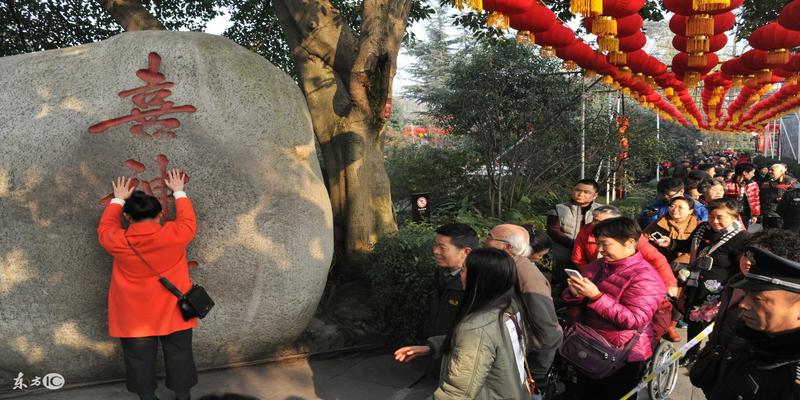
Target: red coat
[[732, 190], [585, 251], [138, 305]]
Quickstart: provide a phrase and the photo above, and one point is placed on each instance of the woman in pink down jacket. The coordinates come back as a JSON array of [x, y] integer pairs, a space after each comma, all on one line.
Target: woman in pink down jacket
[[619, 294]]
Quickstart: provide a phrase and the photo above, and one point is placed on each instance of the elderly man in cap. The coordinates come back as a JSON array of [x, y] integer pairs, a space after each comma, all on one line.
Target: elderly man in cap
[[754, 351], [536, 294]]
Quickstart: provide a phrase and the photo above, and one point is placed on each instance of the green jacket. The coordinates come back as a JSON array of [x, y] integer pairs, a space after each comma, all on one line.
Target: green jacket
[[481, 365]]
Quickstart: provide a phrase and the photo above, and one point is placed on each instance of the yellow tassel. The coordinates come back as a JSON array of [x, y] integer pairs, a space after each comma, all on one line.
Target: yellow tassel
[[738, 81], [604, 26], [498, 20], [669, 92], [625, 72], [459, 4], [710, 5], [587, 8], [608, 43], [700, 25], [617, 58], [626, 90], [608, 80], [697, 60], [763, 76], [526, 38], [547, 52], [698, 44], [638, 76], [691, 78], [570, 65], [587, 73], [476, 4], [651, 81], [778, 57]]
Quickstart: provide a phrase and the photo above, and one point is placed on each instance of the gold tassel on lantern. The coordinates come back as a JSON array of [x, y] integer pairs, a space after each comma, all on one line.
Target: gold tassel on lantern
[[737, 81], [587, 73], [604, 26], [587, 8], [617, 58], [498, 20], [639, 77], [710, 5], [525, 38], [778, 57], [763, 76], [651, 81], [570, 65], [608, 43], [700, 25], [626, 91], [691, 78], [697, 60], [474, 4], [698, 44], [625, 72], [547, 52], [608, 80]]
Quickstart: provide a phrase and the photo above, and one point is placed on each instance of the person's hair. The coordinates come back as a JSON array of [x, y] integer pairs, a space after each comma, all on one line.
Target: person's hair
[[688, 202], [539, 240], [731, 205], [669, 185], [619, 229], [613, 212], [591, 182], [782, 165], [705, 167], [780, 242], [741, 168], [461, 235], [709, 183], [520, 246], [697, 176], [491, 283], [141, 206]]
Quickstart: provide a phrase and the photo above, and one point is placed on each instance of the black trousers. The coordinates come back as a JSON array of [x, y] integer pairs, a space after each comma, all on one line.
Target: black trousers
[[140, 362]]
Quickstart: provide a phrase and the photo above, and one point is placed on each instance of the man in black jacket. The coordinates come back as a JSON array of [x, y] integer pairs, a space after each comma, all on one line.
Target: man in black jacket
[[754, 351]]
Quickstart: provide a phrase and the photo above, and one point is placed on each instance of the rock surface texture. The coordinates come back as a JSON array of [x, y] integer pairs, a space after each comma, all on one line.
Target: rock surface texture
[[265, 235]]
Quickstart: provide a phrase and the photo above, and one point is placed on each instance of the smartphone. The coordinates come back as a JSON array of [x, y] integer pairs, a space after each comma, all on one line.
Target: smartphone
[[657, 236], [573, 273]]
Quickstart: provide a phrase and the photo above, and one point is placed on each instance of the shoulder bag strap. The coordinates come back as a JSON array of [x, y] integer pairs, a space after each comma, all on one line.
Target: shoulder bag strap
[[164, 281], [521, 337]]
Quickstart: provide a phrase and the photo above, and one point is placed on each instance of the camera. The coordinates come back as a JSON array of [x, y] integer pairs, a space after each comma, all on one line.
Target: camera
[[705, 263]]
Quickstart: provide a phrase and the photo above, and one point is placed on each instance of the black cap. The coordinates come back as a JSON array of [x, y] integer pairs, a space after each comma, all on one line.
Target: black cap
[[769, 272]]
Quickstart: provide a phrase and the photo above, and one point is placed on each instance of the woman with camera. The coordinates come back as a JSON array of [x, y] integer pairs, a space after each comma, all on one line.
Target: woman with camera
[[714, 258], [142, 312]]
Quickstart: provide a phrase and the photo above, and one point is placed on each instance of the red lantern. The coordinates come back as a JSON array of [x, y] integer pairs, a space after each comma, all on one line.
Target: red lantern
[[757, 60], [685, 7], [557, 36], [777, 40], [681, 63], [577, 51], [709, 44], [621, 8], [790, 16], [632, 43], [537, 18]]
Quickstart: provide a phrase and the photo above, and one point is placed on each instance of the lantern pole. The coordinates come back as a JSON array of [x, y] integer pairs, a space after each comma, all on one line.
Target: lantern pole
[[583, 128], [658, 140]]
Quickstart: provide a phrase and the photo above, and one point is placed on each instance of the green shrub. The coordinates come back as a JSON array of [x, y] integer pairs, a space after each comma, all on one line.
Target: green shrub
[[401, 276]]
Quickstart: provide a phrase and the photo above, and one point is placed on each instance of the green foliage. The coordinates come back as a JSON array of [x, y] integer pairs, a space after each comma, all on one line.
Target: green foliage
[[28, 25], [401, 277]]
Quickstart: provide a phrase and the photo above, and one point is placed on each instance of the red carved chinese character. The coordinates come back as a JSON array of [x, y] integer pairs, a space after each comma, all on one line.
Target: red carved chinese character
[[150, 99]]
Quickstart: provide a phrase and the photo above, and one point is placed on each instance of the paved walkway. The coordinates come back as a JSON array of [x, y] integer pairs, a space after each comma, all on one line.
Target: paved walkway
[[364, 375]]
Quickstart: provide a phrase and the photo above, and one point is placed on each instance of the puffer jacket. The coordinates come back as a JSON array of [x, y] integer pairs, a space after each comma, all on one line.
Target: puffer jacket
[[482, 364], [631, 293]]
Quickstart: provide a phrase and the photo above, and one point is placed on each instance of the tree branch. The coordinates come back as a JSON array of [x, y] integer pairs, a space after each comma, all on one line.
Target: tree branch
[[20, 31], [131, 15]]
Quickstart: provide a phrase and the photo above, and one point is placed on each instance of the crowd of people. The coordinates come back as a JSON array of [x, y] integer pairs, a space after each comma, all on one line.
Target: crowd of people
[[500, 323]]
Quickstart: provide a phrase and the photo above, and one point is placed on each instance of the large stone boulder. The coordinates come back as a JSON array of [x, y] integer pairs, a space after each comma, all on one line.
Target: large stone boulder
[[264, 242]]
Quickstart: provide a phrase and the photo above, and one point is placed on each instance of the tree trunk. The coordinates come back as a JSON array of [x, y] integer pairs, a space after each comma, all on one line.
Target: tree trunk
[[347, 82], [131, 15]]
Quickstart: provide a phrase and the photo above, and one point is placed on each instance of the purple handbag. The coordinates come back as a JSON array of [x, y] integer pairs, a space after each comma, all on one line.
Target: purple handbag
[[592, 354]]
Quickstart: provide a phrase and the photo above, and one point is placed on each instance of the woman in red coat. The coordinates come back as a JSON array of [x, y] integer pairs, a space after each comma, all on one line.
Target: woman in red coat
[[142, 312]]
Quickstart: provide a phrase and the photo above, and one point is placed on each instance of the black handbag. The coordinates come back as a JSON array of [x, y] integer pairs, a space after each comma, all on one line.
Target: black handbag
[[196, 303]]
